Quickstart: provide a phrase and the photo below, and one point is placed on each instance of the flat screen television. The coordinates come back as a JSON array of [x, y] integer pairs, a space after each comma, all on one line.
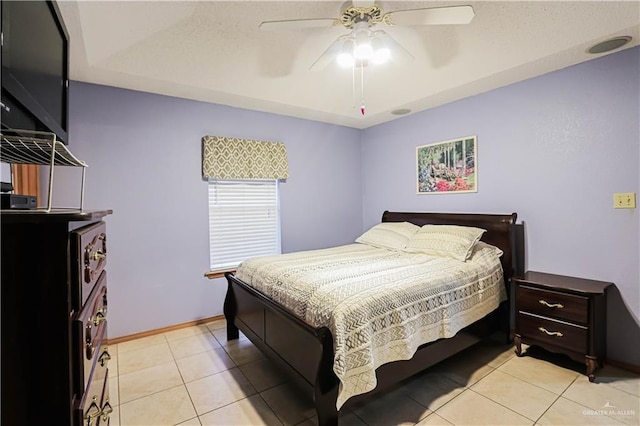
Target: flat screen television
[[35, 68]]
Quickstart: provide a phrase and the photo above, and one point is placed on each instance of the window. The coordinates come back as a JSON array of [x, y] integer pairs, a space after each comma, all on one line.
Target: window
[[244, 221], [244, 217]]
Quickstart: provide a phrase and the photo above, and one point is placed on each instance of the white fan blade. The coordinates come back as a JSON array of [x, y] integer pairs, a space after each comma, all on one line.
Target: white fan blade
[[431, 16], [297, 24], [329, 55]]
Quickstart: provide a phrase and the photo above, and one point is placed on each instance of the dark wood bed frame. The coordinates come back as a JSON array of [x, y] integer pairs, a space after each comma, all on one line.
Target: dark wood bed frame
[[307, 352]]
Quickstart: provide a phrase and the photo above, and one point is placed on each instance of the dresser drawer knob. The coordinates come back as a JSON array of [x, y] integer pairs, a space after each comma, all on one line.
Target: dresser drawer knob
[[551, 305], [97, 255], [550, 333]]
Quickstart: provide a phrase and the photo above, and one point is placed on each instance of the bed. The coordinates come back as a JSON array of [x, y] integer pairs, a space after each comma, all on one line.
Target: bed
[[302, 343]]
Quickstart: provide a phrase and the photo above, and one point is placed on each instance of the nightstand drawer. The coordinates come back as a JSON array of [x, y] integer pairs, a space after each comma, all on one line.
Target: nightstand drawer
[[551, 303], [546, 330]]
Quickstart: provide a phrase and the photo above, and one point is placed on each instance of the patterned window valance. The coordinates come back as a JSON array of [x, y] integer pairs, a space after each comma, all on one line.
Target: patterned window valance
[[234, 158]]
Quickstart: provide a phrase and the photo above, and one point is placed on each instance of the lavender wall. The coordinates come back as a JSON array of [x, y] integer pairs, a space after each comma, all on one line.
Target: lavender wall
[[553, 149], [144, 156]]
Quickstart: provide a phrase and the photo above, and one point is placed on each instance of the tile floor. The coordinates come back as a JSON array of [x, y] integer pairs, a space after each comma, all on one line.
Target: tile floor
[[193, 376]]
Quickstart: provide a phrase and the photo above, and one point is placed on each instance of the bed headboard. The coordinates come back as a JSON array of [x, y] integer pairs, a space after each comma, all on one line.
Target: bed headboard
[[501, 232]]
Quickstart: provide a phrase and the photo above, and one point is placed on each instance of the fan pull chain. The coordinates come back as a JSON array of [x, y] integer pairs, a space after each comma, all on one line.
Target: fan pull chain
[[353, 87], [362, 109]]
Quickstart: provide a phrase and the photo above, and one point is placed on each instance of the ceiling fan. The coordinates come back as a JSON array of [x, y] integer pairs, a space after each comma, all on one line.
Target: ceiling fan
[[365, 44]]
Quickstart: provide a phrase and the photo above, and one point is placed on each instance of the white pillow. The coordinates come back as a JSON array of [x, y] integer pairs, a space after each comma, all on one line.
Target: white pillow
[[481, 247], [389, 235], [445, 240]]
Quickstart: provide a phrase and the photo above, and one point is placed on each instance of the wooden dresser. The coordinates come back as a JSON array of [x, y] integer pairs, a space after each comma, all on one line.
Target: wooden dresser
[[54, 318], [562, 314]]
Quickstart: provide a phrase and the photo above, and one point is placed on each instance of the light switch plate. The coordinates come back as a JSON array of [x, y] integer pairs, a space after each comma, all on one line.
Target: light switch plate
[[624, 200]]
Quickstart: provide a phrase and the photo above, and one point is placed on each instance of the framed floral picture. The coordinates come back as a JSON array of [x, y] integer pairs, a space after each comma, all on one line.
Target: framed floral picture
[[448, 167]]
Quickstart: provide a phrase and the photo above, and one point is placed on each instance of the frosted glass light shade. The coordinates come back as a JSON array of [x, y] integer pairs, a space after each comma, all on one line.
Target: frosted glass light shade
[[346, 57], [345, 60], [381, 53], [363, 49]]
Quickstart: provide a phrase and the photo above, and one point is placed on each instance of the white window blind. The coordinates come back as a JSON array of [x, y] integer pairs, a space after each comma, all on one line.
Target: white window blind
[[244, 221]]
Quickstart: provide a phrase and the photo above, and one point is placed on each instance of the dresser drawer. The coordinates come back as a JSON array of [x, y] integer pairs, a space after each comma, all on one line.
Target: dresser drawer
[[89, 330], [557, 333], [563, 306], [89, 249], [93, 407]]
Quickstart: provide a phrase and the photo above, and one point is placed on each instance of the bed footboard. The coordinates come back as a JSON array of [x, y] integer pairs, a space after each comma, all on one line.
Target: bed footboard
[[302, 351]]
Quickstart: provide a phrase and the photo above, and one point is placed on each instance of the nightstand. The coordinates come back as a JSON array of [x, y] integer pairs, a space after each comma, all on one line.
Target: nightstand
[[562, 314]]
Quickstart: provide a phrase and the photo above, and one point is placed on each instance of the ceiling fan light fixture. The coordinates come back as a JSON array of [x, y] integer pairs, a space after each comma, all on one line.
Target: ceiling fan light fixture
[[381, 53], [363, 51], [364, 44], [346, 57], [381, 56], [345, 60], [362, 36]]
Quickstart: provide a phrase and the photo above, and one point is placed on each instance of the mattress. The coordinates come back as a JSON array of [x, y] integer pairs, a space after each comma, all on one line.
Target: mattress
[[379, 304]]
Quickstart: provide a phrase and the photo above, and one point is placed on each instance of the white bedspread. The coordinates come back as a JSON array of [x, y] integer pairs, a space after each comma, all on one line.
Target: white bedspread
[[380, 305]]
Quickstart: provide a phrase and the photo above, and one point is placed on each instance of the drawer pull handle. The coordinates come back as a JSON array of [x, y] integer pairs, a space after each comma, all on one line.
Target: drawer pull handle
[[89, 350], [100, 255], [551, 305], [550, 333], [104, 357], [97, 255], [99, 317], [93, 412], [106, 411], [88, 274]]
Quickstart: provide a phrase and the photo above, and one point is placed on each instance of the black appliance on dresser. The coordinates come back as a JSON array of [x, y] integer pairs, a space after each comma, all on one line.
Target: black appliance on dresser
[[55, 359]]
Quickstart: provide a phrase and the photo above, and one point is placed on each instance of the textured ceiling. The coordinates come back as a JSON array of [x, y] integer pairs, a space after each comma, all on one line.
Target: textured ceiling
[[215, 52]]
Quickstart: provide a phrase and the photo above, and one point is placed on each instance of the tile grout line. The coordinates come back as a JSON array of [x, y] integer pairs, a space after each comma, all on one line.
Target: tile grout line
[[236, 366], [259, 393], [419, 403], [448, 402], [184, 383], [469, 388], [271, 409], [502, 405], [532, 384], [173, 359], [589, 408], [547, 409], [526, 381]]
